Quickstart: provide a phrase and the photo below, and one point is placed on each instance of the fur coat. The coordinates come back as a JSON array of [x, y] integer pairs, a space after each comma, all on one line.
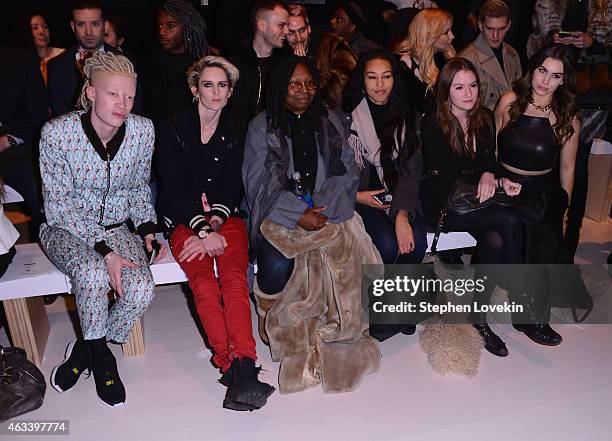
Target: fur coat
[[316, 327], [335, 60]]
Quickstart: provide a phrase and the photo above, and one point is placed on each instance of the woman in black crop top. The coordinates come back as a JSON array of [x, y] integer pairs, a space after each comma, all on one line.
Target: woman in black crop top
[[537, 144], [459, 143]]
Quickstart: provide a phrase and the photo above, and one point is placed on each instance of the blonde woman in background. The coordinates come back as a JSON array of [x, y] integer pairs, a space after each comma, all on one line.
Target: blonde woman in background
[[429, 34]]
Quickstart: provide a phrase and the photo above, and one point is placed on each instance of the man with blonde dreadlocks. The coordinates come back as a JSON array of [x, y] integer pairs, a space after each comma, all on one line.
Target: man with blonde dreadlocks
[[181, 34], [95, 165]]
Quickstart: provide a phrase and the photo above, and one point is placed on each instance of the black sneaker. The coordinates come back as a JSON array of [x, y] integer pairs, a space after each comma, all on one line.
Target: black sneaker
[[77, 360], [109, 386], [245, 391]]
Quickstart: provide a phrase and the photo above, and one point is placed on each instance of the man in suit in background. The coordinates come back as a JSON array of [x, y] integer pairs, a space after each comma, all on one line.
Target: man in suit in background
[[66, 71]]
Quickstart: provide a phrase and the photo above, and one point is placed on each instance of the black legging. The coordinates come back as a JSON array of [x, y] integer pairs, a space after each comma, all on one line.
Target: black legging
[[497, 231], [498, 234]]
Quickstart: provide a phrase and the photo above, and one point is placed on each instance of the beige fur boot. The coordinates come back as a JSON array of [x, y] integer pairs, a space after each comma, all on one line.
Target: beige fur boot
[[263, 303]]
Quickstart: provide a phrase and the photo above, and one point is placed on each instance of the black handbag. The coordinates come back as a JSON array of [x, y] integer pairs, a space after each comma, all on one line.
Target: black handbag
[[462, 200], [22, 384]]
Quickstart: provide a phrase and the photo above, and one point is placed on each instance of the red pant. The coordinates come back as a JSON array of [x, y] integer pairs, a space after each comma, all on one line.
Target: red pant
[[223, 305]]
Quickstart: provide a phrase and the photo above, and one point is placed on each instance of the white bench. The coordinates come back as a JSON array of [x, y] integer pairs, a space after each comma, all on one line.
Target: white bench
[[32, 275]]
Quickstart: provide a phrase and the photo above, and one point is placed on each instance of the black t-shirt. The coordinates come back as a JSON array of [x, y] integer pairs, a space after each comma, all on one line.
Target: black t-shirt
[[164, 85], [499, 55], [264, 65]]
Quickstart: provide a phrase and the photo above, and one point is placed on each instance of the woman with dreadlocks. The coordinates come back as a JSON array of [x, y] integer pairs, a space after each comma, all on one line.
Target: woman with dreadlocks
[[95, 166], [181, 32], [301, 179]]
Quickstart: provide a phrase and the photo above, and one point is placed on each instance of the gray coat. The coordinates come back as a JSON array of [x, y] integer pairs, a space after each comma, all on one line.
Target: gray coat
[[494, 81], [268, 164]]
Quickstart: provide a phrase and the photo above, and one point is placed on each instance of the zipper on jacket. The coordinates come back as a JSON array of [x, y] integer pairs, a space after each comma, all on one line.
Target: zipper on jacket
[[103, 205], [259, 90]]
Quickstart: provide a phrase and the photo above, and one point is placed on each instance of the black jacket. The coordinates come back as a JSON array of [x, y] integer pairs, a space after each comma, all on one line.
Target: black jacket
[[187, 169], [443, 167], [23, 106], [250, 93], [65, 82], [164, 83]]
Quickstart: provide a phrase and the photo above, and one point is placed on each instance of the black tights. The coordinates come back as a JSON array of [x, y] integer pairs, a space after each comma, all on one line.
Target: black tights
[[498, 234], [497, 231]]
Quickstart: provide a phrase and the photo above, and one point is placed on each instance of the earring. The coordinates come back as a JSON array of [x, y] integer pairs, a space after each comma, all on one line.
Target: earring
[[196, 97]]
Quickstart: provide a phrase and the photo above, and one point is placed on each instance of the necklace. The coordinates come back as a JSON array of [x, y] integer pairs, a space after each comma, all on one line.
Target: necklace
[[544, 109]]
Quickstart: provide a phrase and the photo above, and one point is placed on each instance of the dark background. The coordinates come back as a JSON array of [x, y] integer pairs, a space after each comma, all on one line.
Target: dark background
[[227, 20]]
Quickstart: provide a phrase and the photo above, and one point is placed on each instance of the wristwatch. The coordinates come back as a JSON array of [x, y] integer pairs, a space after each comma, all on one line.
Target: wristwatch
[[203, 234]]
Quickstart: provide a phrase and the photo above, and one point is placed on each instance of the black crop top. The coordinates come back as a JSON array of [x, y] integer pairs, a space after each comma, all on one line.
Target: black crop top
[[528, 144]]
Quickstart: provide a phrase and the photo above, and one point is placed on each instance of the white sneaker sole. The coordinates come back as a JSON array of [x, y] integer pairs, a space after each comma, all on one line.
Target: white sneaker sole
[[112, 406], [67, 355]]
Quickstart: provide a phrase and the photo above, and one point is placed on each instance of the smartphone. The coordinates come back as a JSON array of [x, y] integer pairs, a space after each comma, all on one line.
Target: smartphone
[[152, 255], [564, 34], [383, 198]]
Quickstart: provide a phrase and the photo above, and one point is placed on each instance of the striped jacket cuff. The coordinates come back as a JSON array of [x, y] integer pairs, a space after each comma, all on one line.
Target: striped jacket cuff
[[221, 210], [199, 223]]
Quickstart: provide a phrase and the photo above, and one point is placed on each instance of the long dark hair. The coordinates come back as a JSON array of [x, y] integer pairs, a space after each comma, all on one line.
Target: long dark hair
[[400, 113], [478, 118], [563, 102], [276, 100], [21, 37]]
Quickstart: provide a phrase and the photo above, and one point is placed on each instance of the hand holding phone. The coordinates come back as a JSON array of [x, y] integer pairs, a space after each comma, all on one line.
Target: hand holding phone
[[384, 198], [152, 255]]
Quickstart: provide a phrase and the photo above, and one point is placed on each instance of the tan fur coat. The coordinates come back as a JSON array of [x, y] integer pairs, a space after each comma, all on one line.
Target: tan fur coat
[[316, 327]]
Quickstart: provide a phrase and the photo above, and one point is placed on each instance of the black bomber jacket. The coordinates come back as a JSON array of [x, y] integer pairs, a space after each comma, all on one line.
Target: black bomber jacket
[[187, 168]]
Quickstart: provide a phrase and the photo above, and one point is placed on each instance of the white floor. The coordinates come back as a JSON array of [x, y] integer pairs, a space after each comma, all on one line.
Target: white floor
[[536, 393]]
